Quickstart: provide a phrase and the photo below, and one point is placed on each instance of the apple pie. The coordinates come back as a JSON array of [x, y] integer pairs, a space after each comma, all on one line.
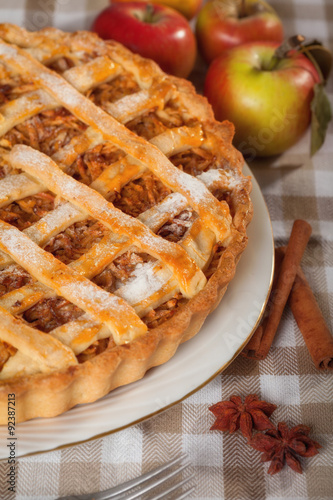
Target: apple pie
[[123, 213]]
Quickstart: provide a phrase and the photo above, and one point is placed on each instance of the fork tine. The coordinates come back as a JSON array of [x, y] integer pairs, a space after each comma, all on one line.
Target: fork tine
[[113, 493], [151, 484], [117, 492], [186, 493], [174, 488]]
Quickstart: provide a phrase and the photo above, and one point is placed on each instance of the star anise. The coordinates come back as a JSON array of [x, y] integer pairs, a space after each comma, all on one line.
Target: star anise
[[233, 415], [282, 446]]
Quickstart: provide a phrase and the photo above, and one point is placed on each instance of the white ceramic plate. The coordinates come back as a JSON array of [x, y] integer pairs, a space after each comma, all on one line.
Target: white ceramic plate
[[213, 348]]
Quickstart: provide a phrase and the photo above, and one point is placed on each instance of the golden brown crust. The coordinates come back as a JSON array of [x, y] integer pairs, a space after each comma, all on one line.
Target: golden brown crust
[[48, 395]]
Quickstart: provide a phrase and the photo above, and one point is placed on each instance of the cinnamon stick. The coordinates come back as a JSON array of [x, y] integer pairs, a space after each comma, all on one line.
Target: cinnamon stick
[[299, 238], [253, 345], [311, 322]]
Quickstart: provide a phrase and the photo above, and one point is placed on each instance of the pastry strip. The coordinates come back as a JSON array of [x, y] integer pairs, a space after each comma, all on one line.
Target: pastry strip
[[92, 74], [25, 107], [15, 187], [121, 319], [190, 278], [49, 352]]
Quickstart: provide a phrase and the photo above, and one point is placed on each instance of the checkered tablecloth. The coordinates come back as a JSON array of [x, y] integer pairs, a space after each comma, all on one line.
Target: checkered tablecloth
[[294, 186]]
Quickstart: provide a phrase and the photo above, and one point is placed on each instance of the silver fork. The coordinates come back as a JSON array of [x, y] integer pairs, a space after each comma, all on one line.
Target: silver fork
[[146, 483]]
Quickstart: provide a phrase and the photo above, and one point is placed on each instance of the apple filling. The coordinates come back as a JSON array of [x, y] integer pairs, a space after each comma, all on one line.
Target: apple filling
[[12, 278], [112, 91], [147, 125], [175, 229], [140, 194], [61, 64], [88, 166], [165, 311], [154, 122], [171, 115], [195, 161], [95, 348], [9, 92], [225, 195], [76, 240], [25, 212], [48, 314], [48, 131]]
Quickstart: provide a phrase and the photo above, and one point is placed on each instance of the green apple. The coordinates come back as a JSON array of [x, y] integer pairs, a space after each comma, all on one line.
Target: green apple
[[267, 98]]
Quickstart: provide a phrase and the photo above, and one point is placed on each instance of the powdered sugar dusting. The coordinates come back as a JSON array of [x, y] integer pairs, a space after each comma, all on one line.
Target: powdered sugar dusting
[[143, 283], [172, 204], [226, 178], [20, 248], [210, 176], [92, 298], [7, 50], [193, 187], [105, 308]]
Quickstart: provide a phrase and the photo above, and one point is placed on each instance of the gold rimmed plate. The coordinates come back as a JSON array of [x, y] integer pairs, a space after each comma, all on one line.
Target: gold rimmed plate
[[195, 363]]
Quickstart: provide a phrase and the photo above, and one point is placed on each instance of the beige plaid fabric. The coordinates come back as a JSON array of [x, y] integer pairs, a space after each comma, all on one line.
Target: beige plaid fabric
[[294, 186]]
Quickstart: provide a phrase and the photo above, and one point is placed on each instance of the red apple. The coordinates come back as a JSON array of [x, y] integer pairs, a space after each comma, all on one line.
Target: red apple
[[153, 31], [223, 24], [188, 8], [268, 99]]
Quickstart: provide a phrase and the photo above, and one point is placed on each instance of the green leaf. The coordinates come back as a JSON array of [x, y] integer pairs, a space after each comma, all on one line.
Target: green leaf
[[321, 54], [320, 117]]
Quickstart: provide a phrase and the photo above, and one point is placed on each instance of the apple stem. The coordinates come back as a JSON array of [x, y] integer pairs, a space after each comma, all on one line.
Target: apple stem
[[242, 11], [292, 43], [149, 13]]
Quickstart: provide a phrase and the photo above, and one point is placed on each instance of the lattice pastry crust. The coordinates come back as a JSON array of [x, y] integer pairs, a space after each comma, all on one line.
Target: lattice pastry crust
[[123, 212]]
